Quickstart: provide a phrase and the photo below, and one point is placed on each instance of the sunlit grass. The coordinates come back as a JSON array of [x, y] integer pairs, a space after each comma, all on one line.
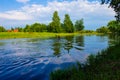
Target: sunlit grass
[[8, 35]]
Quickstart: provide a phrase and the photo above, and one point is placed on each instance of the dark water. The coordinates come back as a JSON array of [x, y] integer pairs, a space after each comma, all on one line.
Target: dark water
[[34, 59]]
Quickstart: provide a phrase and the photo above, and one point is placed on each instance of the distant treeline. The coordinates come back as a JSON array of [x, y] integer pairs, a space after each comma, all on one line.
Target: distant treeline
[[55, 26], [67, 26], [112, 27]]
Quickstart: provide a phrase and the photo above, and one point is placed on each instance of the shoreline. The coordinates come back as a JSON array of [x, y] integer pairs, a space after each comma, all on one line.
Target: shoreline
[[15, 35]]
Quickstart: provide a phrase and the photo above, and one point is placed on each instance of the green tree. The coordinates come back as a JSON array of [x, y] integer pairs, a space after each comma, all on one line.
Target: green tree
[[37, 27], [55, 25], [114, 26], [102, 29], [115, 4], [2, 29], [68, 25], [50, 27], [43, 28], [27, 28], [20, 29], [62, 28], [12, 29], [79, 25]]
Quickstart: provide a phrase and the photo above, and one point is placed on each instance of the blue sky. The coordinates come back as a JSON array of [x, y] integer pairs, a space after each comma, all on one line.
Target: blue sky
[[14, 13]]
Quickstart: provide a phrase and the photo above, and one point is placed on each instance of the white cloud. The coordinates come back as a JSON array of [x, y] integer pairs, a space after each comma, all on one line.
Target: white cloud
[[23, 1], [79, 8], [92, 12], [15, 15]]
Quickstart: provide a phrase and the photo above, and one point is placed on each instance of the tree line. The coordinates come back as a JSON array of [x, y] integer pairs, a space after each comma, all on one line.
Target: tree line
[[54, 26], [67, 26], [112, 26]]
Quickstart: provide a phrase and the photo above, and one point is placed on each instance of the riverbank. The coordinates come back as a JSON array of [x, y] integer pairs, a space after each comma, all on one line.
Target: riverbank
[[11, 35], [104, 66]]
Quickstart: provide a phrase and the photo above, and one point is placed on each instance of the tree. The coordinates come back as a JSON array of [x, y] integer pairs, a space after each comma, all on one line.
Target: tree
[[55, 25], [68, 25], [79, 25], [114, 26], [20, 29], [37, 27], [12, 29], [115, 4], [102, 29], [2, 29], [27, 28], [43, 28], [50, 27]]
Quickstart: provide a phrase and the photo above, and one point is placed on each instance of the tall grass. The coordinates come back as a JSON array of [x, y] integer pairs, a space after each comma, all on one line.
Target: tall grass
[[104, 66], [8, 35]]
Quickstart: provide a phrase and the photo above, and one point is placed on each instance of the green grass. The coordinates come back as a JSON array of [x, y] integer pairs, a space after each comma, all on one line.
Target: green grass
[[9, 35], [104, 66]]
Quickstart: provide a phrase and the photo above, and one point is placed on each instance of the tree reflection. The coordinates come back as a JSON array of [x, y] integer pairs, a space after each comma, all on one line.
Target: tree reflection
[[80, 41], [69, 43], [56, 47], [113, 39]]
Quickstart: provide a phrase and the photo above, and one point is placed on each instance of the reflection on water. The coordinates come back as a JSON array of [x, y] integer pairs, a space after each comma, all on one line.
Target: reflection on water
[[34, 59], [69, 43], [56, 47]]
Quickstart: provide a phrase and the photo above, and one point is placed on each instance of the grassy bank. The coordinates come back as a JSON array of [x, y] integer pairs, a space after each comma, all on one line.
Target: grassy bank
[[9, 35], [104, 66]]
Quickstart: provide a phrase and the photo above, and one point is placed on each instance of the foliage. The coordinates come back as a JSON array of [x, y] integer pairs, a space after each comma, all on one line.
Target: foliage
[[20, 29], [102, 29], [114, 27], [115, 4], [87, 31], [79, 25], [2, 29], [68, 25], [72, 73], [27, 28], [55, 25], [36, 27], [50, 27], [104, 66]]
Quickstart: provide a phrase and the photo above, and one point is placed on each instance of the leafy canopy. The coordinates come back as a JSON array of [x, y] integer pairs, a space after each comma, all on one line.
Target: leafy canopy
[[68, 24], [55, 25], [79, 25]]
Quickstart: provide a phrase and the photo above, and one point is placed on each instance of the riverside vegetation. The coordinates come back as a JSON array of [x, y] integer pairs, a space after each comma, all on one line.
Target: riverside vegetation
[[103, 66]]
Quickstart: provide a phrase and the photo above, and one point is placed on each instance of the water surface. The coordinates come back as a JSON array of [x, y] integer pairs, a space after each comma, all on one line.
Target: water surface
[[34, 59]]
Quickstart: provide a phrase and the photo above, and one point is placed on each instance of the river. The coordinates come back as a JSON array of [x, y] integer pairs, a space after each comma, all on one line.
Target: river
[[35, 58]]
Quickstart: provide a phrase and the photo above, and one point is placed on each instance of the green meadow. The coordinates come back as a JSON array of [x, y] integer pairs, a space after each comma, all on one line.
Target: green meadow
[[12, 35], [9, 35]]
